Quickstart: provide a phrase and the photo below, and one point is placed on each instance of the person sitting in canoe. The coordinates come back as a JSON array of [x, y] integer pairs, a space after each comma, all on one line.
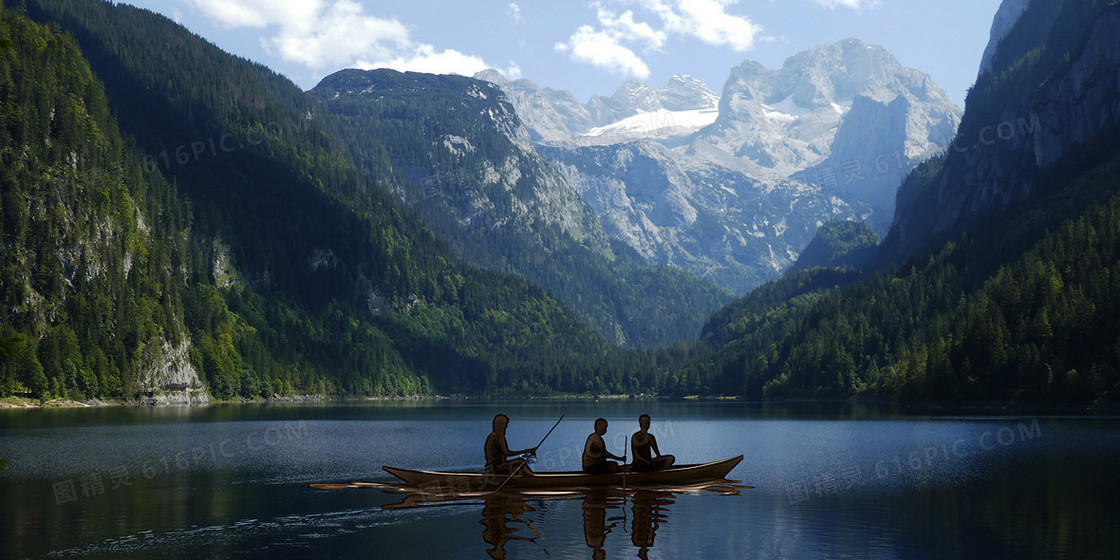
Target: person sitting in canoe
[[641, 444], [497, 450], [595, 454]]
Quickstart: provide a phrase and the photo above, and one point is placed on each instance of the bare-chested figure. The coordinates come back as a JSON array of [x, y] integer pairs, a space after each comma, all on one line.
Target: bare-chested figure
[[595, 454], [498, 452], [642, 444]]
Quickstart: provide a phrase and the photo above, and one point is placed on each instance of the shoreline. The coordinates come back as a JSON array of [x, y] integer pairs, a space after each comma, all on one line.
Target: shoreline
[[937, 408], [166, 399]]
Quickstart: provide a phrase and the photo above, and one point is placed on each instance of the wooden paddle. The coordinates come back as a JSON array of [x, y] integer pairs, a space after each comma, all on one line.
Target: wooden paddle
[[325, 486], [625, 449], [515, 471]]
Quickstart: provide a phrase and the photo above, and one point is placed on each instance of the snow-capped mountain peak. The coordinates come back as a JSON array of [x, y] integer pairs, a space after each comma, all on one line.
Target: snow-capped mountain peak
[[733, 186]]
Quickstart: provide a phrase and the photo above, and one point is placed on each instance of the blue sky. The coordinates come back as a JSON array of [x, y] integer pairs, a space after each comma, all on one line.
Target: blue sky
[[586, 47]]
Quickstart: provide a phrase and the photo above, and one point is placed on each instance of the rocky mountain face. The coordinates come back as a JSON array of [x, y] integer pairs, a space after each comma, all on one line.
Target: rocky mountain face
[[478, 164], [713, 222], [735, 191], [1006, 17], [845, 117], [1047, 92], [467, 167], [781, 121]]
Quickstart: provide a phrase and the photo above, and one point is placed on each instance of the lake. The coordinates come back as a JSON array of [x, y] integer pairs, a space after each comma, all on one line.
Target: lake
[[829, 481]]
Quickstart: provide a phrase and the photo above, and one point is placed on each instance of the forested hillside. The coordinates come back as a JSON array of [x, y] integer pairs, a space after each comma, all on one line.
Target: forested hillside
[[1042, 327], [93, 248], [839, 244], [235, 238]]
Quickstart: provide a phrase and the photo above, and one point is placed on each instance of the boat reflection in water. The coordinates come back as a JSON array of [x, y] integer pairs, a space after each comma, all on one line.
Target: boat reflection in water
[[634, 514]]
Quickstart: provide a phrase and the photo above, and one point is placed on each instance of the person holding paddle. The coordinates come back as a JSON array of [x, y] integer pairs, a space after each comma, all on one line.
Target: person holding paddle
[[595, 454], [498, 452]]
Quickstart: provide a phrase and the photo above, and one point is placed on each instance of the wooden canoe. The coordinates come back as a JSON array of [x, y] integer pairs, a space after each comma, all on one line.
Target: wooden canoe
[[438, 482]]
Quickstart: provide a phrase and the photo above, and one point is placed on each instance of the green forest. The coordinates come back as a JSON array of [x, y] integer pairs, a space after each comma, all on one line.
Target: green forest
[[1043, 327], [170, 210], [839, 244]]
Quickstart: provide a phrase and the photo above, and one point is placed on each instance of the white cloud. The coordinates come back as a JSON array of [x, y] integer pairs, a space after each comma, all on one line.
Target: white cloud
[[257, 13], [514, 12], [612, 44], [425, 58], [853, 4], [338, 35], [604, 49], [707, 20], [329, 34], [623, 27]]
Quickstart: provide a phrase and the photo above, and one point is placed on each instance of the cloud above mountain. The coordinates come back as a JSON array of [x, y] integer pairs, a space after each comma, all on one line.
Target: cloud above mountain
[[614, 42], [329, 34], [853, 4]]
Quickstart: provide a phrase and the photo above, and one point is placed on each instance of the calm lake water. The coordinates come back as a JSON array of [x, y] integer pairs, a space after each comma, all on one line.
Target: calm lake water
[[829, 482]]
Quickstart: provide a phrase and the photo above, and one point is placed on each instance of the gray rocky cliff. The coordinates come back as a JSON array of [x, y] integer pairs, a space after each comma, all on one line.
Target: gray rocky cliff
[[779, 123], [712, 222], [1052, 90], [1005, 19]]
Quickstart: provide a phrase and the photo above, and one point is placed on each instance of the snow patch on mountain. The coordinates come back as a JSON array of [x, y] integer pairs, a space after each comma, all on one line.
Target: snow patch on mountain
[[661, 123]]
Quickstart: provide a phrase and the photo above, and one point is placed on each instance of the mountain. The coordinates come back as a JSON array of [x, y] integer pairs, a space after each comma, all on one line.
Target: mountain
[[1046, 97], [712, 222], [844, 116], [996, 280], [740, 186], [556, 116], [466, 166], [228, 232], [686, 93], [1006, 17]]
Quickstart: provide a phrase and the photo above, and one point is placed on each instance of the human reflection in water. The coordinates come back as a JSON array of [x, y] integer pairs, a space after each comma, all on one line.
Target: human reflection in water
[[595, 522], [498, 512], [649, 510], [644, 446]]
